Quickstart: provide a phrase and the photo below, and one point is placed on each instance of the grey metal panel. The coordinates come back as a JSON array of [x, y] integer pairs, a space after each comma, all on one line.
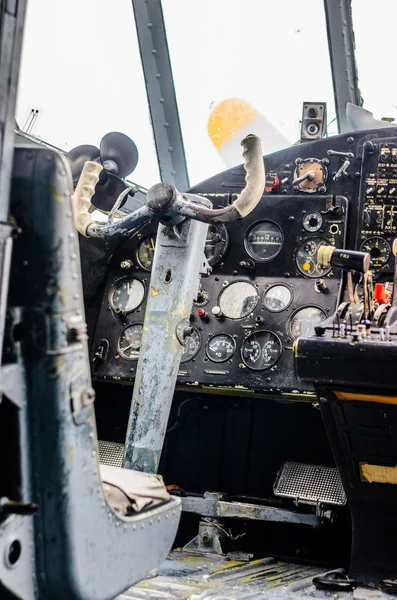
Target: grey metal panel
[[342, 56], [84, 550], [160, 89]]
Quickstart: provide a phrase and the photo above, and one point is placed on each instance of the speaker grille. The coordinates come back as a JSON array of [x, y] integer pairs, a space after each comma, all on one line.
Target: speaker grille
[[310, 484], [110, 453]]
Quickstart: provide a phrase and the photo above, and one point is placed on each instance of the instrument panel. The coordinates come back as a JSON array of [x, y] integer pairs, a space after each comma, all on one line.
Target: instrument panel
[[266, 288]]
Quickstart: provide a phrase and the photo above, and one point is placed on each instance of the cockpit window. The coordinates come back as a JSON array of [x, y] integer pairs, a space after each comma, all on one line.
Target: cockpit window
[[261, 59], [374, 28], [81, 71]]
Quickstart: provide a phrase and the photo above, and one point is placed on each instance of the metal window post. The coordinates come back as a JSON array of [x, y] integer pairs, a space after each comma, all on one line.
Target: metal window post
[[160, 90], [341, 45]]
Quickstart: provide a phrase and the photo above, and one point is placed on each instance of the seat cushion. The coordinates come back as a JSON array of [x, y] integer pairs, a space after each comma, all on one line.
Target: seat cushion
[[130, 491]]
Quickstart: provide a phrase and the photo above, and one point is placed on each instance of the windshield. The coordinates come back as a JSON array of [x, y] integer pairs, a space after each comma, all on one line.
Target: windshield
[[264, 58], [81, 70], [375, 29]]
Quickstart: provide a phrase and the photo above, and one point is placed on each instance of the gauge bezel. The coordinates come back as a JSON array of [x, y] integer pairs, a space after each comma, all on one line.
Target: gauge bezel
[[120, 352], [298, 310], [225, 244], [246, 243], [153, 235], [114, 287], [232, 283], [321, 221], [223, 333], [304, 241], [376, 237], [265, 292], [256, 333], [182, 362]]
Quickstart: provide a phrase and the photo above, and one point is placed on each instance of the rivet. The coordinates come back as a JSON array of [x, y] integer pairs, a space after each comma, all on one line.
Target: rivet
[[161, 99], [170, 148], [69, 213], [158, 75], [73, 255], [154, 51], [71, 235], [150, 25], [74, 275]]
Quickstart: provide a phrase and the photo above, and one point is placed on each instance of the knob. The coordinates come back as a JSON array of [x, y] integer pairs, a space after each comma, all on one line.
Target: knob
[[217, 312], [247, 265], [203, 314]]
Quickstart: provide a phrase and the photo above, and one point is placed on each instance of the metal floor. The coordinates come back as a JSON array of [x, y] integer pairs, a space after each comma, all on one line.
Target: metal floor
[[186, 576]]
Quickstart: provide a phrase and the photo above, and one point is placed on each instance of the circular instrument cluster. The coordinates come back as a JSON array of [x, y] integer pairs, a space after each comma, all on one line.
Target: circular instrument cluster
[[264, 241], [192, 345], [130, 341], [127, 295], [216, 245], [238, 300], [277, 297], [304, 320], [261, 350], [306, 257], [220, 347], [379, 249]]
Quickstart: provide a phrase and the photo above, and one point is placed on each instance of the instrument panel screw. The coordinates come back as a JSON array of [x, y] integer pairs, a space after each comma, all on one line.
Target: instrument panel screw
[[291, 218], [350, 140]]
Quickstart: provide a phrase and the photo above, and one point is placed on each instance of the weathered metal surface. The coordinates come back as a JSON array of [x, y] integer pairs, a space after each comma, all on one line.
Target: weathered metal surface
[[342, 57], [173, 286], [187, 576], [83, 549], [152, 39], [212, 507]]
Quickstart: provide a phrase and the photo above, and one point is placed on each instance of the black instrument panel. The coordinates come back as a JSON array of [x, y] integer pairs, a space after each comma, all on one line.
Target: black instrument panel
[[266, 288]]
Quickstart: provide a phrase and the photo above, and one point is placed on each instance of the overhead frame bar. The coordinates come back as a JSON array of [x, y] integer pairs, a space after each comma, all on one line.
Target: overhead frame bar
[[160, 90], [338, 14]]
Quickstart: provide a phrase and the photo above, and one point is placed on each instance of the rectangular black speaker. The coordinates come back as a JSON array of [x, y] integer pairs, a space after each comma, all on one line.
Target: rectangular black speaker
[[314, 121]]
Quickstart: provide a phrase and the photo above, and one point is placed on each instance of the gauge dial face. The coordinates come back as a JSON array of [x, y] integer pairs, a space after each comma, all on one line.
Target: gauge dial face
[[145, 252], [379, 249], [127, 295], [317, 175], [306, 257], [304, 320], [312, 222], [238, 300], [192, 345], [264, 241], [130, 341], [220, 347], [216, 243], [277, 298], [261, 350]]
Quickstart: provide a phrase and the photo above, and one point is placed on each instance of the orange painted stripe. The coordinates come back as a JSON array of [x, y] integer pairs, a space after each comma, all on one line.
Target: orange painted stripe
[[366, 397]]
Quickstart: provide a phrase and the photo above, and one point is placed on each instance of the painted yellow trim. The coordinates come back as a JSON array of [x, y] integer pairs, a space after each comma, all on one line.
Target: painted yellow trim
[[378, 473], [366, 397]]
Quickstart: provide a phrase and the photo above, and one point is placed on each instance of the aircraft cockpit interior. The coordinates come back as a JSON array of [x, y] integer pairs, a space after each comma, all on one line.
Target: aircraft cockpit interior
[[197, 384]]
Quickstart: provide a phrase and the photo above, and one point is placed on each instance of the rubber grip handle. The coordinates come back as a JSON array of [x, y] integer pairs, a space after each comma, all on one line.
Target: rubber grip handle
[[81, 201], [255, 176]]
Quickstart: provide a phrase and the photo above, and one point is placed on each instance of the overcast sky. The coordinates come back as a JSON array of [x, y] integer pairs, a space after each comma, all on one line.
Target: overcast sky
[[81, 69]]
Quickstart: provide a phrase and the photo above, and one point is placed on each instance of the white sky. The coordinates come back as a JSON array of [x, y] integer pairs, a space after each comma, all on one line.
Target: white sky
[[81, 68]]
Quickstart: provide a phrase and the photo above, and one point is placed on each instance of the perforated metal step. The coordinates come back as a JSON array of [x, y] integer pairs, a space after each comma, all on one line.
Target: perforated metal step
[[110, 453], [310, 484]]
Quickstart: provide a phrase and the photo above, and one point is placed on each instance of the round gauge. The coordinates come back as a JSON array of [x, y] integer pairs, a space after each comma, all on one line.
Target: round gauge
[[261, 350], [145, 252], [304, 320], [216, 243], [379, 249], [238, 300], [306, 257], [316, 175], [264, 240], [277, 298], [127, 295], [130, 341], [312, 222], [192, 345], [221, 347]]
